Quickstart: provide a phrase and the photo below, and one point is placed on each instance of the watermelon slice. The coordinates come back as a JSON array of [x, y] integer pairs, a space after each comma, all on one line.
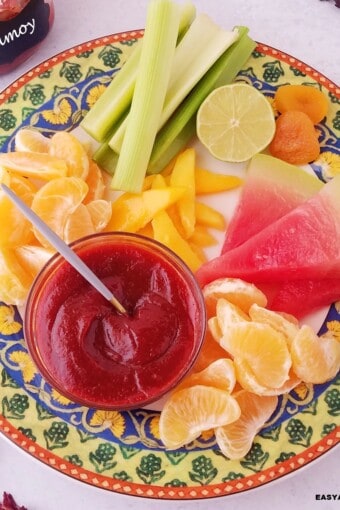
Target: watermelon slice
[[301, 297], [302, 245], [271, 190]]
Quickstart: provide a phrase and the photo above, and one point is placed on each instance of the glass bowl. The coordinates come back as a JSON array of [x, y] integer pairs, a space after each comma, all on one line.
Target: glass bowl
[[97, 357]]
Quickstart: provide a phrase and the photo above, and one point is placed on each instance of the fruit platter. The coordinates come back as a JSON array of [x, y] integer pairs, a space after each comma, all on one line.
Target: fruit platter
[[255, 221]]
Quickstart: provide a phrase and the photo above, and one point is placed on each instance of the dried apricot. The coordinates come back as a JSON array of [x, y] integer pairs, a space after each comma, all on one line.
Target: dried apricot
[[295, 139], [303, 98]]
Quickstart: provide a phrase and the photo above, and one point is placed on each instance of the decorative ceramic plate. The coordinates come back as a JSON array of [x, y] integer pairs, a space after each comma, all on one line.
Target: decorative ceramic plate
[[121, 451]]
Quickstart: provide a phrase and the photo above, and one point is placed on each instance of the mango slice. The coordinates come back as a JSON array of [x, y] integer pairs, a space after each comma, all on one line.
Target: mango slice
[[183, 174], [131, 212], [165, 232], [212, 182]]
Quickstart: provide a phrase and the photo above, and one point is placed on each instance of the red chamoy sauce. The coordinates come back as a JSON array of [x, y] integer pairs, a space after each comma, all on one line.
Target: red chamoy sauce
[[97, 357], [24, 24]]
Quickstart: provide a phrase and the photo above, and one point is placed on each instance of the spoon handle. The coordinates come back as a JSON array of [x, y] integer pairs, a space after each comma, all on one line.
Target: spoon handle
[[63, 248]]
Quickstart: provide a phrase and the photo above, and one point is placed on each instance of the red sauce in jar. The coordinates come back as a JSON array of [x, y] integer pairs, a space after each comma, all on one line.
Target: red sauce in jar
[[96, 356]]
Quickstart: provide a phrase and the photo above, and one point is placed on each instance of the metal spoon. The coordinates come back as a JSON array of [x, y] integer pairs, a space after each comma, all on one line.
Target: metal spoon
[[63, 249]]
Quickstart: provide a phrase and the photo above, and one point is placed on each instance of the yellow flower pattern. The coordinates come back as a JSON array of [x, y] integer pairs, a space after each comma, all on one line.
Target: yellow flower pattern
[[25, 363], [272, 103], [334, 329], [60, 114], [301, 390], [112, 420], [94, 94], [8, 325], [60, 398], [154, 427], [329, 163]]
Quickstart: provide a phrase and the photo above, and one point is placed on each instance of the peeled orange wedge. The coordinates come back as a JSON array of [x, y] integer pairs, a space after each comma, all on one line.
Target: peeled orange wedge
[[190, 411], [263, 349], [95, 182], [34, 164], [235, 290], [315, 359], [249, 380], [100, 212], [235, 439], [32, 258], [68, 148], [210, 351], [229, 317], [15, 281], [15, 228], [87, 219], [288, 326], [31, 140], [219, 374], [55, 201]]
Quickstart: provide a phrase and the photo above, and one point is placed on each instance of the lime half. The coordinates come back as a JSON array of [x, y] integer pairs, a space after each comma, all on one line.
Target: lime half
[[235, 122]]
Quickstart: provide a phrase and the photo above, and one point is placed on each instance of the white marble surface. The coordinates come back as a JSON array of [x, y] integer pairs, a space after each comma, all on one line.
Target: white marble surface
[[308, 30]]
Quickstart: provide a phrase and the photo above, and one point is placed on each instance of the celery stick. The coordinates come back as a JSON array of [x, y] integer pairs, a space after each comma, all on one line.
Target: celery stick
[[106, 158], [116, 100], [201, 46], [181, 127], [187, 16], [159, 43]]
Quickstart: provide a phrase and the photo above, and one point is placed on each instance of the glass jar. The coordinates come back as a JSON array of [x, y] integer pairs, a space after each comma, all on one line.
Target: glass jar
[[84, 348], [24, 24]]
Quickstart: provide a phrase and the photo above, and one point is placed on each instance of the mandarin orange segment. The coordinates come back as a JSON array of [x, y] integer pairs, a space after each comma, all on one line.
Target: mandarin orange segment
[[303, 98], [238, 292], [284, 324], [55, 201], [67, 147], [31, 140], [15, 281], [219, 374], [15, 228], [34, 164], [190, 411], [100, 212], [210, 351], [235, 439], [229, 317], [87, 219], [95, 182], [215, 329], [315, 359], [78, 224], [32, 258], [246, 377], [5, 176], [295, 140], [264, 349]]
